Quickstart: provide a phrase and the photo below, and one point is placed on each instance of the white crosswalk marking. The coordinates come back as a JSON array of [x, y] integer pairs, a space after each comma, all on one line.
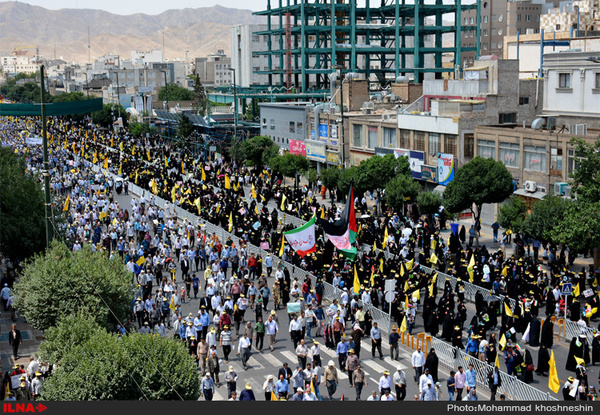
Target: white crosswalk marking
[[328, 352], [373, 365], [270, 357], [292, 358], [254, 364]]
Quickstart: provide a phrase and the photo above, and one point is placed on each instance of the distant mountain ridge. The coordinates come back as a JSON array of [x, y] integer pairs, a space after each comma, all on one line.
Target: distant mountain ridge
[[64, 32]]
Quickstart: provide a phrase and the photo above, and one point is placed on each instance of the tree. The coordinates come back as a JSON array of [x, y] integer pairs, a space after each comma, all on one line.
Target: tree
[[478, 182], [60, 281], [199, 94], [259, 150], [330, 178], [22, 215], [429, 204], [236, 150], [580, 227], [175, 93], [105, 116], [139, 129], [512, 214], [586, 177], [134, 367], [289, 165], [185, 128], [400, 188], [68, 97], [311, 176], [347, 178], [545, 215]]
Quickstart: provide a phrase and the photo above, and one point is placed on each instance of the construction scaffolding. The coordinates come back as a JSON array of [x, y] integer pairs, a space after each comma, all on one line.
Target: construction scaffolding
[[391, 39]]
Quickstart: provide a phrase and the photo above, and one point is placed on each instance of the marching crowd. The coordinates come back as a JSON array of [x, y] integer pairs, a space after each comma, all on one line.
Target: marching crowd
[[237, 288]]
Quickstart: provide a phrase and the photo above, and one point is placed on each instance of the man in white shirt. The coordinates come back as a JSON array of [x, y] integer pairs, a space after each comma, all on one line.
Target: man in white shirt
[[418, 360], [244, 346], [424, 380], [373, 397], [385, 383]]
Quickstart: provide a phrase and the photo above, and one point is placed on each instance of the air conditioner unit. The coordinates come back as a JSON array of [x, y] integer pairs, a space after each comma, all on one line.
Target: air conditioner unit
[[542, 189], [530, 186], [559, 188]]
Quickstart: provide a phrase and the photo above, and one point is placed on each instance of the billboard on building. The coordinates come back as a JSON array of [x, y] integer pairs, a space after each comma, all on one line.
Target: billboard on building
[[416, 159], [445, 168], [315, 150], [297, 147], [429, 173], [323, 131]]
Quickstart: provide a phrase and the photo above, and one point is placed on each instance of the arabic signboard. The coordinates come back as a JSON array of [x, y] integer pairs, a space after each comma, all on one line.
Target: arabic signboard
[[416, 159], [445, 168], [297, 147], [429, 173], [315, 150]]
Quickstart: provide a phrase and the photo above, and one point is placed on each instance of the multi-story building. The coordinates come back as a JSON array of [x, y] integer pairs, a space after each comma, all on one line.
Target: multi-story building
[[246, 61], [141, 58], [565, 16], [213, 70]]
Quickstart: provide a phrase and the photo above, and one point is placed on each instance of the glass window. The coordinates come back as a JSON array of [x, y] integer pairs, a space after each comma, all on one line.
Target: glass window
[[434, 143], [509, 154], [469, 146], [389, 137], [419, 141], [556, 160], [357, 133], [372, 137], [564, 80], [572, 162], [485, 32], [535, 158], [485, 19], [486, 149], [597, 83], [404, 139], [450, 144]]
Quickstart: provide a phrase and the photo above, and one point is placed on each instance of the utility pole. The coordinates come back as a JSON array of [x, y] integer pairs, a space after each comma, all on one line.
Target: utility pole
[[235, 125], [45, 172], [166, 89]]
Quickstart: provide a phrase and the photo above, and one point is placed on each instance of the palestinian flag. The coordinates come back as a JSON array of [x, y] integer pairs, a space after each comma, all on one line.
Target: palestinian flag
[[302, 239], [342, 233]]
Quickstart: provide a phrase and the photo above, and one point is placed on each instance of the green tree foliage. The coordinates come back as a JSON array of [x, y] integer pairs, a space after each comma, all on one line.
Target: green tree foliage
[[140, 129], [399, 188], [478, 182], [199, 94], [347, 178], [289, 165], [185, 127], [72, 330], [104, 117], [311, 175], [330, 178], [236, 150], [544, 216], [30, 91], [429, 203], [134, 367], [580, 226], [586, 178], [259, 150], [512, 214], [68, 97], [175, 93], [60, 282], [22, 226]]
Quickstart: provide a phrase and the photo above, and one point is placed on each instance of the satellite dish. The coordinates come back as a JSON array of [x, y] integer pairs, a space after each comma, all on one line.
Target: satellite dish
[[538, 123]]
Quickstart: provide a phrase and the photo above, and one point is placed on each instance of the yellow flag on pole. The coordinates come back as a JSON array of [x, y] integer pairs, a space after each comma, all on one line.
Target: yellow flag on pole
[[121, 146], [182, 169], [434, 243], [95, 158], [502, 342], [253, 191], [230, 221], [227, 182], [356, 287], [273, 396], [553, 382], [172, 305], [403, 326], [322, 212], [106, 163], [402, 269], [381, 265], [470, 267], [197, 203], [409, 264], [507, 310], [281, 250], [282, 207], [497, 362], [120, 169], [575, 292], [148, 154], [66, 206], [433, 259], [385, 238], [203, 175], [374, 245], [141, 261]]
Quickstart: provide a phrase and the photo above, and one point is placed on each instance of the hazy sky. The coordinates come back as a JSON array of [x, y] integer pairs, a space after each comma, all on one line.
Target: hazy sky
[[158, 6]]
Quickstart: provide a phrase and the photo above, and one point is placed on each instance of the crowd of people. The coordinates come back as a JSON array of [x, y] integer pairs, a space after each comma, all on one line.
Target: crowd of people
[[236, 288]]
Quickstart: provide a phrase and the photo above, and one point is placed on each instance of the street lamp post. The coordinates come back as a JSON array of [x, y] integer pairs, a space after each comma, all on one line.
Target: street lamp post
[[87, 86], [235, 125], [166, 89], [341, 131], [118, 95]]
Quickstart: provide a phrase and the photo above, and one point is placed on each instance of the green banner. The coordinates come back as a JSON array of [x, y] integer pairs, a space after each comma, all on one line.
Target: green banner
[[52, 109]]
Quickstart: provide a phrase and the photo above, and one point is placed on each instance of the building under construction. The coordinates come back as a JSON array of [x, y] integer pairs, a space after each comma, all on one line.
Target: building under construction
[[377, 39]]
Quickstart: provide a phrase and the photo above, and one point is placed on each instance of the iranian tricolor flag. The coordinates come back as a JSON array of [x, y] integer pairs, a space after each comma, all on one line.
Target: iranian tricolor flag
[[342, 233], [302, 239]]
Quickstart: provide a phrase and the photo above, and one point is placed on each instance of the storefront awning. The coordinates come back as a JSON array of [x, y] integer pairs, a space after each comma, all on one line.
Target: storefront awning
[[533, 195]]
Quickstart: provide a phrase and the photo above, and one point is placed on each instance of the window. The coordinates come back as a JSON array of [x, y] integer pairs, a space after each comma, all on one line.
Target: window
[[255, 38], [404, 139], [389, 137], [507, 118], [434, 143], [558, 27], [486, 149], [509, 154], [494, 18], [485, 32], [450, 144], [527, 17], [535, 158], [255, 68], [419, 141], [372, 137], [556, 162], [471, 20], [573, 162], [466, 20], [485, 19], [518, 17], [272, 124], [564, 80], [485, 46], [357, 135], [494, 31], [523, 100], [597, 80]]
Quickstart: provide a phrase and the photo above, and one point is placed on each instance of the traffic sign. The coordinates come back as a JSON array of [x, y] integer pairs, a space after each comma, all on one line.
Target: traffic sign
[[567, 288], [390, 285]]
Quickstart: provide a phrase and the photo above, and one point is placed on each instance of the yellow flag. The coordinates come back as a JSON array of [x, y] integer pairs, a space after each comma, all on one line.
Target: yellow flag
[[273, 396], [141, 261], [403, 326], [136, 177], [227, 182], [282, 246], [133, 151], [197, 203], [433, 259], [282, 207], [121, 146], [120, 169], [434, 243], [385, 239], [230, 221], [148, 154], [356, 282], [323, 212], [253, 192], [497, 362], [66, 206], [256, 209], [95, 158], [374, 245], [502, 342], [172, 305], [409, 264], [505, 271], [166, 162], [576, 291], [182, 169], [507, 310], [154, 187], [402, 269], [372, 279], [106, 163], [73, 148], [470, 267], [112, 143], [431, 289], [579, 360], [553, 382], [312, 386], [203, 175], [406, 287]]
